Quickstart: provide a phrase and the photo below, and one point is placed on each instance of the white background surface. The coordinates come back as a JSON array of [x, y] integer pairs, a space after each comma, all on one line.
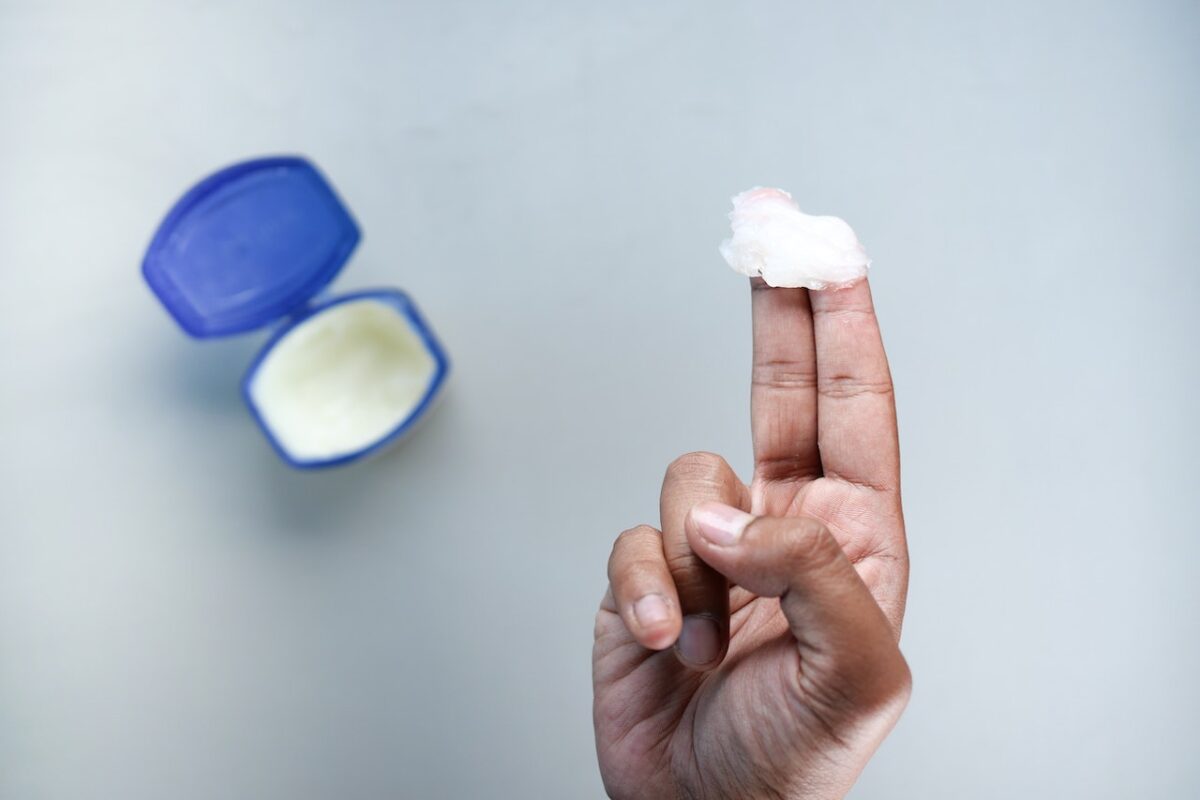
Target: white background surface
[[182, 616]]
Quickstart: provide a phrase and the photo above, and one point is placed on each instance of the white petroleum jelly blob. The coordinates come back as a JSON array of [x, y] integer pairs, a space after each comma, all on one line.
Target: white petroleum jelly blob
[[773, 238], [342, 379]]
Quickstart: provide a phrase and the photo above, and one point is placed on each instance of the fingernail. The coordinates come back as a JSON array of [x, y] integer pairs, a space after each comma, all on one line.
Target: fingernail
[[651, 610], [699, 641], [720, 524]]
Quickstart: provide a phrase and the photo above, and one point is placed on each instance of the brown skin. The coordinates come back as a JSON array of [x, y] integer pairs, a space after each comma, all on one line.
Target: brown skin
[[786, 675]]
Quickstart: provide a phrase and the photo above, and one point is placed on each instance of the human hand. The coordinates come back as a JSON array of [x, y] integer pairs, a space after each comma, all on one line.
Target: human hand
[[784, 599]]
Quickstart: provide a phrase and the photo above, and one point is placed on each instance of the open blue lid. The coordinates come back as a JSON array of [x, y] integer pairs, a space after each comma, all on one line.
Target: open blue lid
[[248, 245]]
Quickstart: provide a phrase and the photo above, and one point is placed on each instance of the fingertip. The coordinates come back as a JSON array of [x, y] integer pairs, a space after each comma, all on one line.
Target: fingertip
[[701, 643], [656, 624], [658, 639], [718, 524]]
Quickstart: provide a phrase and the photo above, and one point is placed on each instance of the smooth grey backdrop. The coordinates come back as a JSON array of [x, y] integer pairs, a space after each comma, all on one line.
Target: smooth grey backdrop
[[181, 616]]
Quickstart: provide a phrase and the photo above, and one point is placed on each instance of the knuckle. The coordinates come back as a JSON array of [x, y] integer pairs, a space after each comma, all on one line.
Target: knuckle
[[634, 534], [626, 543], [842, 386], [888, 688], [856, 688], [880, 685], [847, 310], [699, 466], [640, 567], [783, 375], [693, 579], [682, 562], [705, 473]]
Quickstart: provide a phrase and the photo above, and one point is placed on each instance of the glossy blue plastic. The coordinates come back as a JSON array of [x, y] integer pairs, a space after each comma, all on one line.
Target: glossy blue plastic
[[252, 244], [249, 245], [405, 307]]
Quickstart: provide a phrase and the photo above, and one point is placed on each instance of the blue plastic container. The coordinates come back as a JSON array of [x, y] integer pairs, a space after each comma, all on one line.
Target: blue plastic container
[[251, 246]]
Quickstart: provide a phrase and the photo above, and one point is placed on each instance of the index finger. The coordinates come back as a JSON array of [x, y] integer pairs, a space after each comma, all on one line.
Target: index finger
[[783, 384]]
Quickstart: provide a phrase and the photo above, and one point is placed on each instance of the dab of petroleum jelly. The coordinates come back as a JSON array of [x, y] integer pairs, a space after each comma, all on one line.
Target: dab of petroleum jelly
[[341, 380], [773, 238]]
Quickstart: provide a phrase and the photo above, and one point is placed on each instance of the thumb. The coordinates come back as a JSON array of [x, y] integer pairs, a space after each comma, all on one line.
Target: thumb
[[844, 640]]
